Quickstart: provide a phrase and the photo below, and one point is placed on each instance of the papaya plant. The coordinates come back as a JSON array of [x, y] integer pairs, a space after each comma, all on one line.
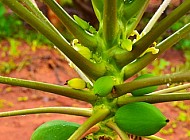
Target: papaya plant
[[106, 58]]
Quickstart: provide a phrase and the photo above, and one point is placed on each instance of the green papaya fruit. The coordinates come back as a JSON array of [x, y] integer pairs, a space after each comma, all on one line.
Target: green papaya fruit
[[103, 86], [77, 83], [140, 119], [146, 90], [55, 130]]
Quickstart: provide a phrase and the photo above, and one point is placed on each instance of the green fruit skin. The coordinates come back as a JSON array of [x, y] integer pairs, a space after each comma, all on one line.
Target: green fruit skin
[[146, 90], [77, 83], [55, 130], [103, 86], [84, 51], [140, 118]]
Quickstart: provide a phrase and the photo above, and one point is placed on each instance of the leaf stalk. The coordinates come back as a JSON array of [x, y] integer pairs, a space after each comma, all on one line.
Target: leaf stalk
[[61, 110]]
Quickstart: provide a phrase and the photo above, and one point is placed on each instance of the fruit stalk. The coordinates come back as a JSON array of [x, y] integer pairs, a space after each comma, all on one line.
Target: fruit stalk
[[121, 133], [96, 117]]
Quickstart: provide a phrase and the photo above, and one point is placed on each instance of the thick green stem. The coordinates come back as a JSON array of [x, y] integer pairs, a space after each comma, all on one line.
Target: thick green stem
[[96, 117], [140, 63], [92, 70], [56, 89], [121, 133], [110, 25], [157, 80], [61, 110], [140, 46], [125, 99], [85, 38]]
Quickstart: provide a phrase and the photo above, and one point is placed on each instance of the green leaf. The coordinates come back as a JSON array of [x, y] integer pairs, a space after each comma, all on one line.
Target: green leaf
[[98, 8], [82, 23]]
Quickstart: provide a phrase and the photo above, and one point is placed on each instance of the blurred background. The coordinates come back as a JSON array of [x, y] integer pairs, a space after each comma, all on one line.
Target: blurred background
[[25, 53]]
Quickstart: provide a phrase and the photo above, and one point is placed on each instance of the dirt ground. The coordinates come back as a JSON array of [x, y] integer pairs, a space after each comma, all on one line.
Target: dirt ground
[[47, 65]]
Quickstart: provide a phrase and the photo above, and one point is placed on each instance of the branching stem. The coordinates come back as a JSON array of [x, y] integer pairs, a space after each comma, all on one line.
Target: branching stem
[[90, 69], [85, 38], [141, 45], [143, 61]]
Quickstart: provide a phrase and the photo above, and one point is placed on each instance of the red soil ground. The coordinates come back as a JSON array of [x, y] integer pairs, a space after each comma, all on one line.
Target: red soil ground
[[47, 65]]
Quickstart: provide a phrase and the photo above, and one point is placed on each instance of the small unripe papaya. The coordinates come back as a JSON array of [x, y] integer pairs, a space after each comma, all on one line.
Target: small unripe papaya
[[77, 83], [140, 119], [103, 86], [55, 130], [145, 90], [84, 51]]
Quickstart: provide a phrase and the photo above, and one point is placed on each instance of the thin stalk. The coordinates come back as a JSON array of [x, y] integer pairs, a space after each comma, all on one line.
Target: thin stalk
[[171, 89], [153, 137], [156, 16], [140, 63], [110, 25], [82, 95], [96, 117], [86, 112], [121, 133], [154, 98], [157, 80], [84, 37], [140, 46], [92, 70]]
